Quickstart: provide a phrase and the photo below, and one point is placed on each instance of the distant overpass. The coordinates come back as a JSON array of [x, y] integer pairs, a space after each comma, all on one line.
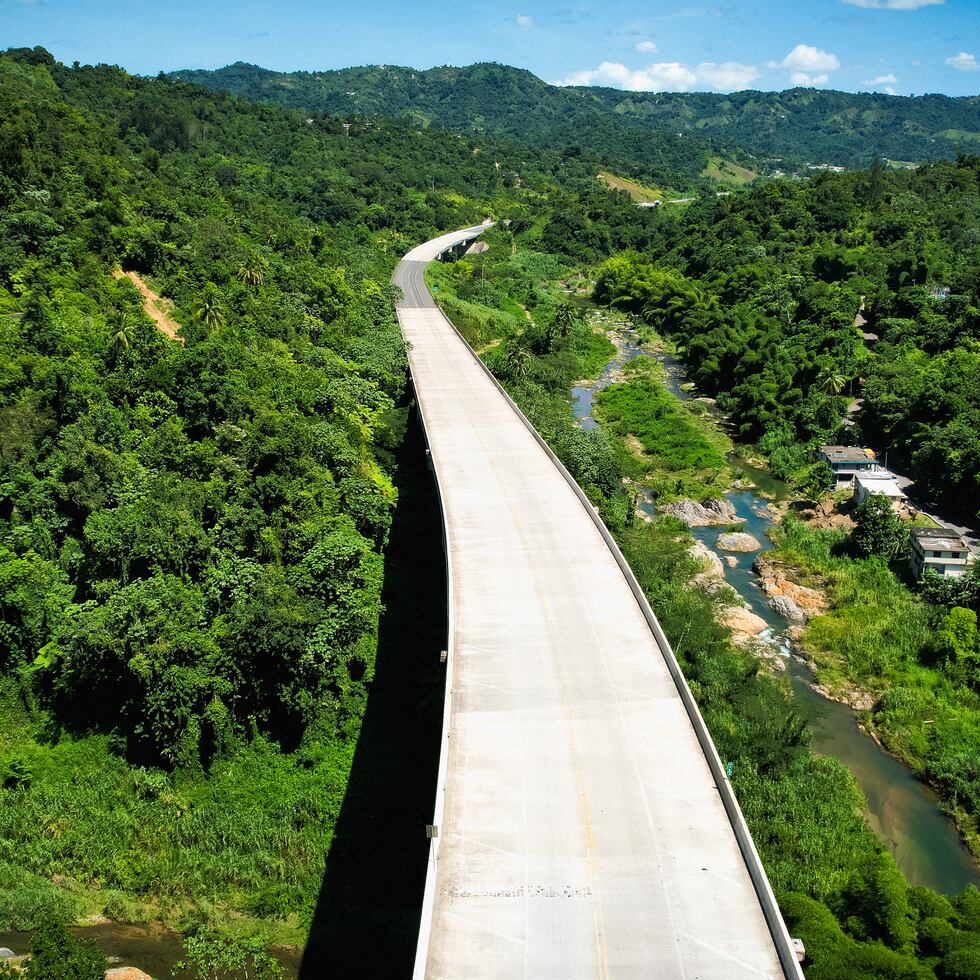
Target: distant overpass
[[585, 825]]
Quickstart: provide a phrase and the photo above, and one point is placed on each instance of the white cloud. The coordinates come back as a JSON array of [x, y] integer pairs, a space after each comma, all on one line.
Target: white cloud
[[525, 20], [647, 46], [964, 62], [893, 4], [802, 78], [805, 57], [880, 80], [888, 90], [667, 76]]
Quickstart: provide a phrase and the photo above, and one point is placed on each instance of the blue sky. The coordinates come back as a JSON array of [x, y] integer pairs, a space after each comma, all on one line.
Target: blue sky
[[901, 46]]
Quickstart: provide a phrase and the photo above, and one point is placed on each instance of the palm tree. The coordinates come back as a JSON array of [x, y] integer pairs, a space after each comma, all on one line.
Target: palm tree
[[252, 271], [565, 318], [210, 310], [123, 336], [518, 358], [831, 382]]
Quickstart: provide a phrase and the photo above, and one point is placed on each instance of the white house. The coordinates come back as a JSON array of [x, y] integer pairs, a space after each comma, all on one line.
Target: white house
[[881, 482], [941, 550]]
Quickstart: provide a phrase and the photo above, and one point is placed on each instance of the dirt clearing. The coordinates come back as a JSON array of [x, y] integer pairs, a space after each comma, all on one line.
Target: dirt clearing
[[156, 307]]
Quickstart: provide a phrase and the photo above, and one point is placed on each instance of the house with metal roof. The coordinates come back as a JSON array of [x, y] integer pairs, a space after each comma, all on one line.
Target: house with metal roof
[[878, 482], [847, 462]]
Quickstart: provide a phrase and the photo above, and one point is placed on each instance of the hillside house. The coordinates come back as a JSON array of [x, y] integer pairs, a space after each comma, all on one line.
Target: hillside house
[[848, 462], [881, 482], [939, 549]]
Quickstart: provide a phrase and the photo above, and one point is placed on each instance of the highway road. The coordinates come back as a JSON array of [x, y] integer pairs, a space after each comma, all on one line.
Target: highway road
[[582, 824]]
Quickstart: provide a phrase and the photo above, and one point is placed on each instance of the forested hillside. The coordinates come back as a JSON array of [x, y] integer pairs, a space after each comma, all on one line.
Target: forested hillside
[[762, 291], [194, 524], [153, 486], [638, 130]]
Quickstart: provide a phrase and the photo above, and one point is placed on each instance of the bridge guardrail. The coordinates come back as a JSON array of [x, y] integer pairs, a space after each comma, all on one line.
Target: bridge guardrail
[[760, 881]]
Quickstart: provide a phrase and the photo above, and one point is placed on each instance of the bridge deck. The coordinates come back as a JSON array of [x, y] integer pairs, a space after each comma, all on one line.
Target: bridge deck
[[581, 833]]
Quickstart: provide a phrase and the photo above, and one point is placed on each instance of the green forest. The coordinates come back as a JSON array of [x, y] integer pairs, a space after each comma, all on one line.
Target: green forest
[[212, 479], [645, 131]]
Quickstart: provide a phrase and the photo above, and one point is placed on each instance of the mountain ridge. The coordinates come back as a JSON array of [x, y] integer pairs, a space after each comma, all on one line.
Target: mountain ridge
[[796, 127]]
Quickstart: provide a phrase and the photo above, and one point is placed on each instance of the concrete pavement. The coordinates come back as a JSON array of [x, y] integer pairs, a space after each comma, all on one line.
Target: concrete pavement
[[584, 828]]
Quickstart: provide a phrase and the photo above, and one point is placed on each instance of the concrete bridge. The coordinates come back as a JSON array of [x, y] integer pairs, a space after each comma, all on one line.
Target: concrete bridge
[[584, 825]]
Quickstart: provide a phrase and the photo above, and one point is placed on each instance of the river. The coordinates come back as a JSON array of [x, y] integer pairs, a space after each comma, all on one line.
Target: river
[[152, 948], [902, 810]]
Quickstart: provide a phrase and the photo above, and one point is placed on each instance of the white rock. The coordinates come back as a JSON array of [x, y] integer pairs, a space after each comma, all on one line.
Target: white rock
[[738, 541]]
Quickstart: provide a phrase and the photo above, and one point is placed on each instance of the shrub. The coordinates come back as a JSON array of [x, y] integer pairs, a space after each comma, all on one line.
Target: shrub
[[57, 955]]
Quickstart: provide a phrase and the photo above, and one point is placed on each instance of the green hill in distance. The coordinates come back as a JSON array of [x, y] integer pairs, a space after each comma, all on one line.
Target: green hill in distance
[[649, 131]]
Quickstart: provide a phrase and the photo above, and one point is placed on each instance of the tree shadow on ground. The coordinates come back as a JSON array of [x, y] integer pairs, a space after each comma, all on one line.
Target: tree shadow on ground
[[367, 915]]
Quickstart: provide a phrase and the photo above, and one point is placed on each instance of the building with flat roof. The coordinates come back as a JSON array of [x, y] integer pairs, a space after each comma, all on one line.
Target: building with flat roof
[[881, 482], [847, 462], [938, 549]]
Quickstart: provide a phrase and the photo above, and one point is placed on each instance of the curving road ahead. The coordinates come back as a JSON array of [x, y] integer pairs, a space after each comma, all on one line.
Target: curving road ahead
[[585, 828]]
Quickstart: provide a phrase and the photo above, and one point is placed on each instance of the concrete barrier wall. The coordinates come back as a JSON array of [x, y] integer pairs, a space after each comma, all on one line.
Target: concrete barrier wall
[[767, 900]]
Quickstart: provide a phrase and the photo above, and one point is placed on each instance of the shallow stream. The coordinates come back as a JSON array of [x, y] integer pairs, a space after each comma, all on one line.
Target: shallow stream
[[153, 949], [902, 810]]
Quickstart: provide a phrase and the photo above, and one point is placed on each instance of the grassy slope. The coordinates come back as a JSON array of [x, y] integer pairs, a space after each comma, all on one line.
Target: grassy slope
[[639, 193], [874, 638], [728, 172]]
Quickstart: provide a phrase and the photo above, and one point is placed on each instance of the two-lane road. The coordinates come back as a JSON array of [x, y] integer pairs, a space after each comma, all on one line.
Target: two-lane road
[[581, 831]]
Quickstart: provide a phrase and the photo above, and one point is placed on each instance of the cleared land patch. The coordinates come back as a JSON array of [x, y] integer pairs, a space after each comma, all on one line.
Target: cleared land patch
[[156, 307], [728, 172], [639, 193]]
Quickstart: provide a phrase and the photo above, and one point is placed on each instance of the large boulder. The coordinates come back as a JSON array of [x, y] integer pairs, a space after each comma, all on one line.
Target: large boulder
[[713, 572], [742, 622], [775, 582], [126, 973], [738, 541], [788, 609], [711, 513]]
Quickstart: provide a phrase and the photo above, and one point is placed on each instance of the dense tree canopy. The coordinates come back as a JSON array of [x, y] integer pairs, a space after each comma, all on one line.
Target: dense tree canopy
[[794, 298], [650, 133]]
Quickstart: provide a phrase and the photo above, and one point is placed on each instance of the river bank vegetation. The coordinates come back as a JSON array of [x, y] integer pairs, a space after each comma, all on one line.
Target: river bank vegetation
[[838, 886], [762, 292], [918, 661], [671, 449], [847, 309]]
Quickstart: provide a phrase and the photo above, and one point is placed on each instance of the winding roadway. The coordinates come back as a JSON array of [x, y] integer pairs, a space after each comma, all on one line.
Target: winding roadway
[[585, 827]]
